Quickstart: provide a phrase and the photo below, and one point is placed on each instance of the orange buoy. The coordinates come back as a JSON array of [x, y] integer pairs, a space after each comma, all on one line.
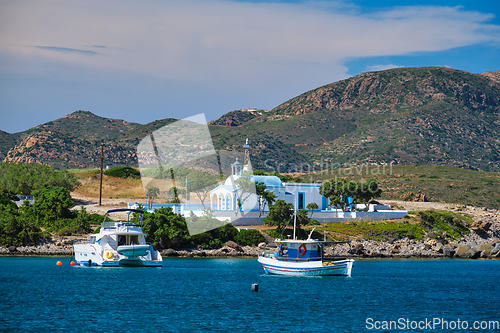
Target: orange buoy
[[72, 263], [59, 263]]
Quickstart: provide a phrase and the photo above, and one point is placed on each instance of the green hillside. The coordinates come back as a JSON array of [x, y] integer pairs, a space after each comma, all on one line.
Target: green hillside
[[403, 116], [438, 183], [427, 115]]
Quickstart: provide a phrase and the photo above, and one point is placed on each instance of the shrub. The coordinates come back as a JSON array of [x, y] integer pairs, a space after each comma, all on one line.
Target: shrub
[[249, 237], [314, 222], [24, 178], [123, 172], [442, 221]]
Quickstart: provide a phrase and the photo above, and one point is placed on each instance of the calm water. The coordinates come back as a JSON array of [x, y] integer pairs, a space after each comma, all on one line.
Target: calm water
[[207, 295]]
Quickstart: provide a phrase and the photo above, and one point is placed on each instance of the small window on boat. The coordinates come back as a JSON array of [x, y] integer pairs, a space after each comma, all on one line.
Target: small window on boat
[[92, 240], [134, 240], [122, 240]]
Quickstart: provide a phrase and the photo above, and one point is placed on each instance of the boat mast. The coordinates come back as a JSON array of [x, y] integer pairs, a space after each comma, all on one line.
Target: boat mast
[[295, 218]]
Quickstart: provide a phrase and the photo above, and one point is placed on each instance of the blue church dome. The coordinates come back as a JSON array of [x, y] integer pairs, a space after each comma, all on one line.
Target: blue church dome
[[268, 180]]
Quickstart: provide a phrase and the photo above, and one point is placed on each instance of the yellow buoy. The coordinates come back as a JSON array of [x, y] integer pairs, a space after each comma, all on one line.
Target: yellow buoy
[[109, 255], [59, 263]]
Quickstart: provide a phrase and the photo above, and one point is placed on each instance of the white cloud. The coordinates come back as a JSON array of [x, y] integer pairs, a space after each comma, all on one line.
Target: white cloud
[[200, 40], [263, 52]]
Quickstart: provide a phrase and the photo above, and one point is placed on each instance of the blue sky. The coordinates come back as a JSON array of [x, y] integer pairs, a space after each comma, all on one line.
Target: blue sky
[[148, 60]]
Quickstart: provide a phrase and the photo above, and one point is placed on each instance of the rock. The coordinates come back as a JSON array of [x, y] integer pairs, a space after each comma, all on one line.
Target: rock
[[442, 241], [470, 254], [485, 254], [439, 248], [12, 249], [478, 230], [422, 198], [427, 246], [462, 249], [396, 248], [431, 242], [485, 247], [234, 246], [448, 251], [262, 245], [358, 249], [496, 250], [486, 225], [170, 253], [473, 254]]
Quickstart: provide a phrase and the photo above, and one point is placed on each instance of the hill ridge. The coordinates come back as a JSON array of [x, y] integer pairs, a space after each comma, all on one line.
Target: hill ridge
[[424, 115]]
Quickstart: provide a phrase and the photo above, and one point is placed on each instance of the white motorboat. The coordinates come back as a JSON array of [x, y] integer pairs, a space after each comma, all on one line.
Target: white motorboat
[[304, 258], [118, 244]]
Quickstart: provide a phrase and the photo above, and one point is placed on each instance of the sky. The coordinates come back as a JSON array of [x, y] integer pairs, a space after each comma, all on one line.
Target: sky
[[146, 60]]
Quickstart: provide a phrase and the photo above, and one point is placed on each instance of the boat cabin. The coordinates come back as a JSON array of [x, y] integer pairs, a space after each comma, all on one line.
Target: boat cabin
[[302, 250]]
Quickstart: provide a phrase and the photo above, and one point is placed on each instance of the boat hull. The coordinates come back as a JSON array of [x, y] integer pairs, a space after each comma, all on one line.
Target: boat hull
[[133, 250], [310, 268], [132, 263], [93, 255]]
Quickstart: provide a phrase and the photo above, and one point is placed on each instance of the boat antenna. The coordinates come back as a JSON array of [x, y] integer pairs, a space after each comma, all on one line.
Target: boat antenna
[[310, 234]]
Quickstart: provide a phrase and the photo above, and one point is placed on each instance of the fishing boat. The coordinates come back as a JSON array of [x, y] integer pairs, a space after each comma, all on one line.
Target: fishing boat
[[118, 244], [304, 258]]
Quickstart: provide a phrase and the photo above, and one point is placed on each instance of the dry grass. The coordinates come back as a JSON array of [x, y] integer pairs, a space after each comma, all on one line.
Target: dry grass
[[112, 187]]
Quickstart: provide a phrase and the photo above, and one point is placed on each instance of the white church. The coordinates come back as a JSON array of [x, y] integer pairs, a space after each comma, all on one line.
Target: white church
[[224, 198]]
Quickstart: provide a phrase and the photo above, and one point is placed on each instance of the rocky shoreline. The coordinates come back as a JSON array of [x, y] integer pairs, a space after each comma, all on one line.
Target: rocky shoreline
[[404, 248], [483, 241]]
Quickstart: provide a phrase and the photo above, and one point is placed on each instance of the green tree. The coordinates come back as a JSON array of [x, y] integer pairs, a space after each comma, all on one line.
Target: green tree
[[265, 196], [51, 204], [369, 191], [336, 201], [173, 192], [7, 198], [17, 229], [280, 215], [153, 192], [202, 183], [165, 229], [246, 189], [336, 191], [312, 206]]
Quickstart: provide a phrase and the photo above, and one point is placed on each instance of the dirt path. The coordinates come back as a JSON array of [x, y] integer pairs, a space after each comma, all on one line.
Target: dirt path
[[92, 204], [478, 214]]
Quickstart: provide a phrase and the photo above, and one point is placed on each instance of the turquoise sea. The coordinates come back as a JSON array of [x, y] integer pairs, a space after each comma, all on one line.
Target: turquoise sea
[[214, 295]]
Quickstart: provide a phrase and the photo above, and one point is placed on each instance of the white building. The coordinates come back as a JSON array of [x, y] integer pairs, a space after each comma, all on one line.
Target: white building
[[225, 197]]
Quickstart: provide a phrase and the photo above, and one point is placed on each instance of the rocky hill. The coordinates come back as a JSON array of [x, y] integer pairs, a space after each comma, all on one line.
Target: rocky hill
[[426, 115], [404, 116], [236, 118]]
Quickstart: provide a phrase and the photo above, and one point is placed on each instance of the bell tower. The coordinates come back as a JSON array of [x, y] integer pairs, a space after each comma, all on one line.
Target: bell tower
[[247, 165]]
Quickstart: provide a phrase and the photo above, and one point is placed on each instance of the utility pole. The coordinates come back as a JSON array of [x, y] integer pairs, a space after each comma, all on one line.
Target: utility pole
[[102, 159]]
